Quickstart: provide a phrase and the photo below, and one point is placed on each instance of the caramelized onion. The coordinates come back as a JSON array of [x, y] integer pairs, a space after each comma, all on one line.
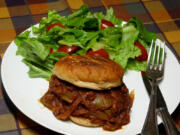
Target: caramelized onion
[[68, 96], [102, 102], [101, 115]]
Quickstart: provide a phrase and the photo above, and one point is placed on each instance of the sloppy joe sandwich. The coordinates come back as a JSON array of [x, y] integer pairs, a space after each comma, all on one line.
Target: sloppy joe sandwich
[[89, 91]]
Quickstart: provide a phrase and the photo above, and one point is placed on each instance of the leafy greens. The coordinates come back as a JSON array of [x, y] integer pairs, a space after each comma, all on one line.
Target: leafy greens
[[83, 29]]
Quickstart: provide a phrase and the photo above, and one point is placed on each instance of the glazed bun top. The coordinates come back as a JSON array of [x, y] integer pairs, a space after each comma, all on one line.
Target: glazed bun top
[[93, 72]]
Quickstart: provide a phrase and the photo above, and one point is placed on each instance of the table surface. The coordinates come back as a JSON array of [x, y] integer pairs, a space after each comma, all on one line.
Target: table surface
[[159, 16]]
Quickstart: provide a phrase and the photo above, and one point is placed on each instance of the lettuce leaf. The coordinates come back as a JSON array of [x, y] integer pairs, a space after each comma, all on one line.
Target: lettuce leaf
[[110, 16], [111, 36], [36, 71], [53, 17], [144, 34], [126, 49], [136, 65], [81, 11]]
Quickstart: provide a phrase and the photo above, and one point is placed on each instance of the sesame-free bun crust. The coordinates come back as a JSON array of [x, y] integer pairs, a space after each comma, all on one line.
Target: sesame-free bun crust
[[83, 121], [94, 72]]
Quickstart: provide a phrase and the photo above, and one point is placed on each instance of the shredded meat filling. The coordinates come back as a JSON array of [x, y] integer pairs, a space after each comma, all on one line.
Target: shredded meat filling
[[108, 108]]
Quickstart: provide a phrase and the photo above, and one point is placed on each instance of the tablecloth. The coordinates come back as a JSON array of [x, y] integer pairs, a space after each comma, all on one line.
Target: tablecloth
[[159, 16]]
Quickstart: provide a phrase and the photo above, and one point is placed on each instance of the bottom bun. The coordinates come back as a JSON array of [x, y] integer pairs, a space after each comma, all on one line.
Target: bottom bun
[[83, 121]]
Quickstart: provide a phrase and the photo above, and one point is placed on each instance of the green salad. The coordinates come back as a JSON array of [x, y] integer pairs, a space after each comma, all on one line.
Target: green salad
[[81, 33]]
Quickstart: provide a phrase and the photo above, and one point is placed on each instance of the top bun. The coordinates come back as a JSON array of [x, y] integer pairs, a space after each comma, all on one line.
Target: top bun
[[93, 72]]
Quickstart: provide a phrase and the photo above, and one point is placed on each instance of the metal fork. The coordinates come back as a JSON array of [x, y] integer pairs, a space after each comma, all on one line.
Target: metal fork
[[155, 71]]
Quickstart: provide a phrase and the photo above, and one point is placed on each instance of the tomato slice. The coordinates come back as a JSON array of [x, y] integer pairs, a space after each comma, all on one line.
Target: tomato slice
[[100, 52], [52, 26], [105, 24], [68, 49], [144, 55], [50, 50], [143, 73]]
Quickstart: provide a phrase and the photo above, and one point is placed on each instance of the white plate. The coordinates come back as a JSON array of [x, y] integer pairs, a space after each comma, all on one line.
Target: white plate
[[25, 93]]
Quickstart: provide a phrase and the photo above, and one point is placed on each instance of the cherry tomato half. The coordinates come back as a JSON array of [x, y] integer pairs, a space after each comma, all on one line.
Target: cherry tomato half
[[143, 73], [68, 49], [100, 52], [144, 55], [52, 26], [105, 24], [50, 50]]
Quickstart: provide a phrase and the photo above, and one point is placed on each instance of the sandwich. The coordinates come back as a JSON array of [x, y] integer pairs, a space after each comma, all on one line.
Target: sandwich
[[89, 91]]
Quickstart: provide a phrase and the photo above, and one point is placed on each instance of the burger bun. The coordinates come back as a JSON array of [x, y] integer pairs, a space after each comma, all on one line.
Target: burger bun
[[93, 72]]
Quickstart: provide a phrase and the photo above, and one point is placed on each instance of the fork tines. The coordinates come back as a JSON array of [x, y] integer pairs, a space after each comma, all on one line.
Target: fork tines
[[156, 55]]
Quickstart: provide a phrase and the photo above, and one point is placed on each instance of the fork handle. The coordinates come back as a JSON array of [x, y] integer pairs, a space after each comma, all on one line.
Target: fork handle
[[170, 126], [150, 126]]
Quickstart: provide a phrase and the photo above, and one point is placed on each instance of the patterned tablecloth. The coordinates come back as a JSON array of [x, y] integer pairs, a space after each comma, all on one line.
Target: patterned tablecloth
[[159, 16]]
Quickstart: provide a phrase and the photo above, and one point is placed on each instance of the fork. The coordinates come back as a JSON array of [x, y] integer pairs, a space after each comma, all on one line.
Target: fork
[[155, 71]]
